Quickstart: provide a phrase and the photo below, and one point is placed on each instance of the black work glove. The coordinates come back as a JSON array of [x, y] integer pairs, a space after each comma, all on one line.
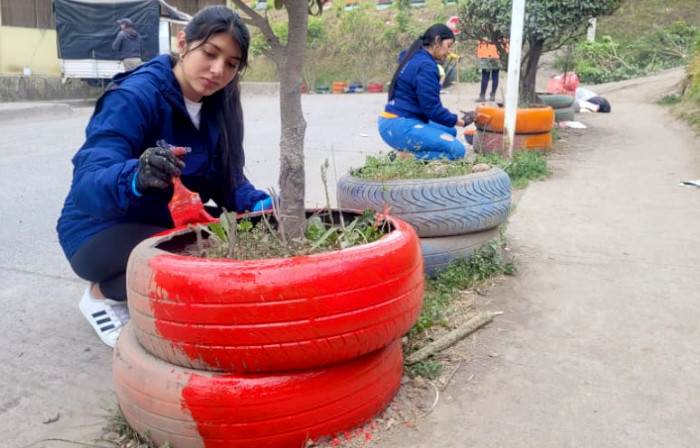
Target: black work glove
[[156, 167], [468, 117]]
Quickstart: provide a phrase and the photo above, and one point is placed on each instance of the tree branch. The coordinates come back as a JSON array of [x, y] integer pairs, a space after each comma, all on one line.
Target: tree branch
[[255, 19], [450, 338]]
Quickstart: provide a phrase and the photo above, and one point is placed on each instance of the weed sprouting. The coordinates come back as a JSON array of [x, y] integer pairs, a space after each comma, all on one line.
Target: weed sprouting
[[426, 369], [384, 167], [670, 99], [256, 236], [442, 292], [522, 168], [118, 434]]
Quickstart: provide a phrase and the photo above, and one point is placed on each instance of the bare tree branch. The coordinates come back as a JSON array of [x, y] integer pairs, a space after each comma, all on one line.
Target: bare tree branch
[[255, 19]]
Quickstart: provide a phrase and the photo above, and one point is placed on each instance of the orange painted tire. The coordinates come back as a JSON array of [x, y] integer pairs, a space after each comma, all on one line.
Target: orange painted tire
[[248, 316], [195, 409], [486, 142], [339, 86], [528, 121]]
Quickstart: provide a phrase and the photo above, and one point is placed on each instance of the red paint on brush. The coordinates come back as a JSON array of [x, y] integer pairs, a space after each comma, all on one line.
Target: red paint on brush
[[186, 206]]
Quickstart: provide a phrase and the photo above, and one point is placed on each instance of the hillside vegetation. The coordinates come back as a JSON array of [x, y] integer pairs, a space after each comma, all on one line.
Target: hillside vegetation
[[636, 18], [362, 45]]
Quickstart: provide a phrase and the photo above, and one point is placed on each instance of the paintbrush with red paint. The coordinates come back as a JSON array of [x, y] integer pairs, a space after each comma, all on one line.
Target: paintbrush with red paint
[[186, 206]]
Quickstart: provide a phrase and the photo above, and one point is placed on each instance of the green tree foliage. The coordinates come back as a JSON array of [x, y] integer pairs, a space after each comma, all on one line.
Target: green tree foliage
[[607, 59], [548, 25]]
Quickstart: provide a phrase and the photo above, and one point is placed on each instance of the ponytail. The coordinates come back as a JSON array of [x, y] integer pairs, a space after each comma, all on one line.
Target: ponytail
[[439, 31]]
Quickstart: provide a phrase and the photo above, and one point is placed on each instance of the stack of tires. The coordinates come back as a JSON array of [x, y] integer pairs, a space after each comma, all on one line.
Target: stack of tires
[[273, 353], [453, 216], [354, 87], [339, 86], [375, 87], [563, 105], [533, 129]]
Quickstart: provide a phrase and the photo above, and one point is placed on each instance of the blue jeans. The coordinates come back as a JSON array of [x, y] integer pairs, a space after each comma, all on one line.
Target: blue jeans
[[427, 141]]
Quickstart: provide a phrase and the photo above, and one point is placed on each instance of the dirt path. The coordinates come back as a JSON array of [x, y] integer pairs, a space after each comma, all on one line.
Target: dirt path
[[597, 345]]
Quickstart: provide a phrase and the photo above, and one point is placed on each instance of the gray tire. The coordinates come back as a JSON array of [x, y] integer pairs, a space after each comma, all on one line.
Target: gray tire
[[439, 252], [564, 114], [434, 207], [556, 101]]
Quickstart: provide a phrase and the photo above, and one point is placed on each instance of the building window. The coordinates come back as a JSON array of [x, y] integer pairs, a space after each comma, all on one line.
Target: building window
[[27, 13], [193, 6]]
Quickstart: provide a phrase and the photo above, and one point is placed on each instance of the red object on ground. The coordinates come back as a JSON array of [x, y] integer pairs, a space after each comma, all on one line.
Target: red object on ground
[[186, 206], [563, 84]]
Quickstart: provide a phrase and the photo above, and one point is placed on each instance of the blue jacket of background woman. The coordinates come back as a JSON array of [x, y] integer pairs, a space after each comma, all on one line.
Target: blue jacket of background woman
[[146, 106], [417, 92]]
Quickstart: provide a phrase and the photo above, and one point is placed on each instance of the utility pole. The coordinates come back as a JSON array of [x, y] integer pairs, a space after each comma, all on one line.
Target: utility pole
[[512, 94], [590, 35]]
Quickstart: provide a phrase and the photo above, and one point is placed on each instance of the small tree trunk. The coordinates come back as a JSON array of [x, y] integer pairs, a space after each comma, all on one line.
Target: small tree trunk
[[292, 179], [529, 71]]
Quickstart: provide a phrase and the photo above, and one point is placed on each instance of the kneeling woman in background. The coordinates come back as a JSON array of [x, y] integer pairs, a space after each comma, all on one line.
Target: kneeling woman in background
[[414, 118]]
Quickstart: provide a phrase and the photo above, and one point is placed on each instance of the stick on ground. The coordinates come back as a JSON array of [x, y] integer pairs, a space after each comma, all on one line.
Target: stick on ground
[[450, 338]]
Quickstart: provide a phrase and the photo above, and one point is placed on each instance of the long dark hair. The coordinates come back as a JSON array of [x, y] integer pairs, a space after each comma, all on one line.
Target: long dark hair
[[229, 152], [439, 30]]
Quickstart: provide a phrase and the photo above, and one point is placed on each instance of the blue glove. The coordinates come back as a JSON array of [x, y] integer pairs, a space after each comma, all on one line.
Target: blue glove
[[263, 204]]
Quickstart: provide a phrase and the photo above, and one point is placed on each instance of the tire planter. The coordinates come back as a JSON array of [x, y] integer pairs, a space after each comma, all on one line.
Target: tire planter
[[528, 121], [434, 207], [196, 409], [439, 252], [564, 114], [487, 142], [339, 86], [556, 101], [273, 315], [375, 88]]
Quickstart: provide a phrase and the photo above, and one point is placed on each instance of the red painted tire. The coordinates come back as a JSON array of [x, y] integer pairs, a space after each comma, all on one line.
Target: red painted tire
[[195, 409], [274, 315], [375, 88]]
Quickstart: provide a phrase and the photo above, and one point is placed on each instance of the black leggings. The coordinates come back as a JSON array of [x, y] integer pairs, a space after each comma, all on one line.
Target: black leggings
[[485, 81], [102, 259]]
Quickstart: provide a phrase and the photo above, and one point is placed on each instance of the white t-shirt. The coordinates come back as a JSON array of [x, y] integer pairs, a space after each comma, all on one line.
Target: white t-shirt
[[583, 94], [195, 110]]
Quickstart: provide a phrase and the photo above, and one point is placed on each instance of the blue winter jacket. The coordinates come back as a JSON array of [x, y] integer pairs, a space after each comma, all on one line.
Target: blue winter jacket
[[417, 92], [146, 106]]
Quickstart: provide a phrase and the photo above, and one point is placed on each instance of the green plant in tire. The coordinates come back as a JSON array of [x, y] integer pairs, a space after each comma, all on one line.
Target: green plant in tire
[[384, 167]]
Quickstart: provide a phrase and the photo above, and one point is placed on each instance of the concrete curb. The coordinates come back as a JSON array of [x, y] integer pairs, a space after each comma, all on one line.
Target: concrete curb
[[10, 111], [19, 111]]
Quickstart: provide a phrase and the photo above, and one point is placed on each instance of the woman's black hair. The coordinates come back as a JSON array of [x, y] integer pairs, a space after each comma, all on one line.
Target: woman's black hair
[[229, 152], [439, 30]]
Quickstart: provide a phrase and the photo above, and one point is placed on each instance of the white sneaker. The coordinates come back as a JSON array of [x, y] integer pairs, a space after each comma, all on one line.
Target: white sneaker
[[107, 317]]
